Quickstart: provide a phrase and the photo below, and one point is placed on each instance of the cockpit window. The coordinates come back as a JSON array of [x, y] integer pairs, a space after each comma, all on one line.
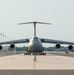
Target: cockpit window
[[35, 38]]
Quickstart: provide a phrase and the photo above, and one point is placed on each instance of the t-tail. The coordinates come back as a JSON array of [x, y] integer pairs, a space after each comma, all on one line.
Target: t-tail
[[34, 23]]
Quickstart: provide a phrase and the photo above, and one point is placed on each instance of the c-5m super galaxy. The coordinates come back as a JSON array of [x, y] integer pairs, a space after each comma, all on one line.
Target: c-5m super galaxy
[[35, 43]]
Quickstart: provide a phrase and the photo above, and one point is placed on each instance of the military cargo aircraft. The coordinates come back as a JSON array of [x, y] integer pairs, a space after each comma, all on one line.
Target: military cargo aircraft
[[35, 43]]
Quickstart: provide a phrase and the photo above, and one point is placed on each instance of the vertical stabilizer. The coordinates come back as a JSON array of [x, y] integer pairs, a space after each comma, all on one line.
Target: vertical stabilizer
[[34, 23]]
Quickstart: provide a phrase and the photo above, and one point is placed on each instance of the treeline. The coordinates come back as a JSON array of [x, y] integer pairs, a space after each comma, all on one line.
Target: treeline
[[52, 48], [45, 48], [49, 48], [21, 48]]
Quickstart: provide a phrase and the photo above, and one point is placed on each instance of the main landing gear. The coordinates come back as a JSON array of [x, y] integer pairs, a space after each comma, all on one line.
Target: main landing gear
[[34, 53], [42, 53]]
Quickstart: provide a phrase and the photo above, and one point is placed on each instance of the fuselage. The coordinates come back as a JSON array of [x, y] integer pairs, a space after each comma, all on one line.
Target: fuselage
[[35, 45]]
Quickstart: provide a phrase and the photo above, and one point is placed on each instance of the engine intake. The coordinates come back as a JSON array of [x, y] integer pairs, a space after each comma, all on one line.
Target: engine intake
[[58, 45], [12, 46], [70, 47], [1, 47]]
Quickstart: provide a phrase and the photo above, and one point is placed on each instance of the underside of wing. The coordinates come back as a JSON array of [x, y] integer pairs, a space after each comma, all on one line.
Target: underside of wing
[[55, 41], [15, 41]]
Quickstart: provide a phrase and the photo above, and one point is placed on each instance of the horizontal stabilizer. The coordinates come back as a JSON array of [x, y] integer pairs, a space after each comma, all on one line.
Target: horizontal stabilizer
[[25, 23], [34, 23], [43, 23]]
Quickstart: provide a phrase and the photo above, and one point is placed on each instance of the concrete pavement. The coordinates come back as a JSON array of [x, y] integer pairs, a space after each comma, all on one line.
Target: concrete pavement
[[25, 62]]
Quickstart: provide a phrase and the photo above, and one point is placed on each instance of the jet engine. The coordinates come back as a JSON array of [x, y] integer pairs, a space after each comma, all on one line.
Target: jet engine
[[58, 45], [0, 47], [12, 46], [70, 47]]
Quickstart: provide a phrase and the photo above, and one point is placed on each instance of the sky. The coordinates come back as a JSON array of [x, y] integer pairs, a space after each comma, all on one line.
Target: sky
[[58, 12]]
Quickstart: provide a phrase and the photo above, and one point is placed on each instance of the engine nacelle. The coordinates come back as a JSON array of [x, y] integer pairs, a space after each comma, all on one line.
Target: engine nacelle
[[70, 47], [58, 45], [1, 47], [12, 46]]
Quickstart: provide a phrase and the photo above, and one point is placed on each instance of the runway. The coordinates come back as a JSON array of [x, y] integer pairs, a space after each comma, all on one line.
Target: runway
[[48, 62], [64, 54]]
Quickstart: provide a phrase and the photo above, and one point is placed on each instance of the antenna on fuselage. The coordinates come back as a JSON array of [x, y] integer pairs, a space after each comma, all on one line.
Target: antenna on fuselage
[[34, 25]]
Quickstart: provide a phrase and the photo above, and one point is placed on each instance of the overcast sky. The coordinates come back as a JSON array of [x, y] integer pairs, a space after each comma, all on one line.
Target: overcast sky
[[58, 12]]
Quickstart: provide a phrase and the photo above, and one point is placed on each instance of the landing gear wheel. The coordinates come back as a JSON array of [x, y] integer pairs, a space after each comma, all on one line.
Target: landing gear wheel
[[44, 53], [28, 53], [40, 53], [35, 53], [25, 53]]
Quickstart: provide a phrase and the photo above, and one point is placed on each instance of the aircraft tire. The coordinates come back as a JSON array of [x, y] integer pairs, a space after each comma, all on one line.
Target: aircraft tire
[[40, 53], [25, 53], [44, 53], [28, 53]]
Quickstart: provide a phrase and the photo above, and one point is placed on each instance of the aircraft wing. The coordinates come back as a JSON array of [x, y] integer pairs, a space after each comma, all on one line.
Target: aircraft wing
[[55, 41], [15, 41]]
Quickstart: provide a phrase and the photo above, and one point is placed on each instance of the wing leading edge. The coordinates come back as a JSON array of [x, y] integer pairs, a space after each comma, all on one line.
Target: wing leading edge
[[15, 41], [55, 41], [43, 40]]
